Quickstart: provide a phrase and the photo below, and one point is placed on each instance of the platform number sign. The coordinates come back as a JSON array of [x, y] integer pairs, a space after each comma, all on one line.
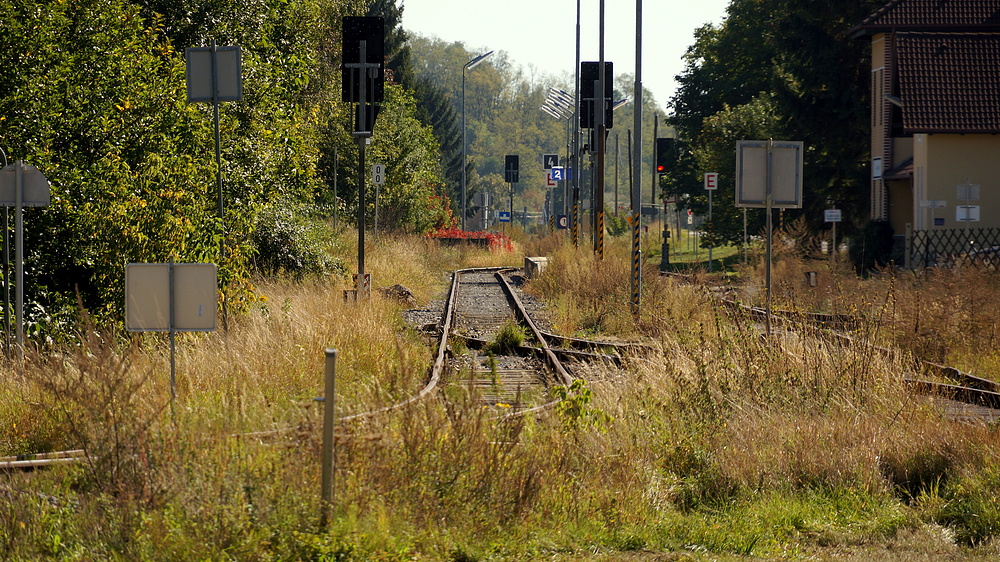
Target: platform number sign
[[378, 174]]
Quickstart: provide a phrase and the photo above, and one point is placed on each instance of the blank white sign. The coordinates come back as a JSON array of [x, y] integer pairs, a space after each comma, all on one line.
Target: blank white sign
[[147, 297], [752, 169]]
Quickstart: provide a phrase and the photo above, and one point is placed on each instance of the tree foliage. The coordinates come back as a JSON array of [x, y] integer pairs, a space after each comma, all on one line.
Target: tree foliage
[[794, 62], [93, 93], [503, 116]]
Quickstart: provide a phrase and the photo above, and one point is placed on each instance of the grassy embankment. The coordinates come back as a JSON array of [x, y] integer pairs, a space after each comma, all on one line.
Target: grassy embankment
[[718, 444]]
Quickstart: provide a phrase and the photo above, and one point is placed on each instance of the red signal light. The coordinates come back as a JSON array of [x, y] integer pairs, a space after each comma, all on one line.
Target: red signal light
[[664, 154]]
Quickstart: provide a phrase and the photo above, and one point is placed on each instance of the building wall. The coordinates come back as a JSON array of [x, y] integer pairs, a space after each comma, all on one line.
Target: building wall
[[881, 143], [900, 205], [941, 163]]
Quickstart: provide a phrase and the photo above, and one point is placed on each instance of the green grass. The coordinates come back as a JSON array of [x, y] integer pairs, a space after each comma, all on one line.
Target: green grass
[[713, 445]]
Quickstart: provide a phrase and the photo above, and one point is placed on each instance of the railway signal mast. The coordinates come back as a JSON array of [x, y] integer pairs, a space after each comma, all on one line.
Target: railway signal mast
[[363, 83]]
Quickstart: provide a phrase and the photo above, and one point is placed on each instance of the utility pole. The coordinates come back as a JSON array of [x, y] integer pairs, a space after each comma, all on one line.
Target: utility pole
[[600, 108], [637, 164]]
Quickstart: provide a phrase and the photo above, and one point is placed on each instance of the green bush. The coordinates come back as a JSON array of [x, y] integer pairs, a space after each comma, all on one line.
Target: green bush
[[287, 242]]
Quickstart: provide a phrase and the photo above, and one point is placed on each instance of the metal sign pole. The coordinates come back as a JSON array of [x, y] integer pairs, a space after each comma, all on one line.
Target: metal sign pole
[[6, 271], [363, 118], [511, 193], [6, 281], [336, 206], [173, 334], [329, 458], [600, 130], [770, 235], [576, 160], [218, 178], [833, 250], [19, 254], [710, 234]]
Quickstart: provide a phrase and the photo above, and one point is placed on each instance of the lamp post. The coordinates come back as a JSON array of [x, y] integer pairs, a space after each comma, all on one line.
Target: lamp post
[[559, 104], [468, 66]]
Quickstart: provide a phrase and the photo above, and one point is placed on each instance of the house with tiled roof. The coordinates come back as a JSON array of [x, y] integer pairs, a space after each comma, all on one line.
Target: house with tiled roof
[[935, 92]]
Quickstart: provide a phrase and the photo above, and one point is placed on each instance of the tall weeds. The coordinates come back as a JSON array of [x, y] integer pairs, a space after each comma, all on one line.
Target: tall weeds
[[713, 438]]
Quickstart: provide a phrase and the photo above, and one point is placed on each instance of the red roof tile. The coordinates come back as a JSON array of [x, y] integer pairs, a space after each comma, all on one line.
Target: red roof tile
[[937, 15], [949, 82]]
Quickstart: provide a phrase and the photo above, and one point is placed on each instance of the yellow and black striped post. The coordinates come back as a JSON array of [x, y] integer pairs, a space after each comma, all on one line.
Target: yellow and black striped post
[[576, 223], [636, 262], [600, 234]]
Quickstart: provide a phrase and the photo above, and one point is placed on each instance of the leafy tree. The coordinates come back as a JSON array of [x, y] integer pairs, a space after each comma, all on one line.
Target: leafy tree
[[94, 98], [437, 111], [94, 95], [795, 57], [397, 49], [754, 120], [407, 147]]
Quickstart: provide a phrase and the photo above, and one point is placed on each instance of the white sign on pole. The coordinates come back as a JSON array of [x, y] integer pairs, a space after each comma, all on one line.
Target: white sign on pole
[[35, 190], [967, 213], [967, 191], [766, 168], [148, 297], [711, 181], [21, 185], [229, 72], [832, 215], [378, 174], [550, 181], [933, 203]]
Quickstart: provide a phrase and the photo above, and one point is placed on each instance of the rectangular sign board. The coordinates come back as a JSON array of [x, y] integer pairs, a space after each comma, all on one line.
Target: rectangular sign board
[[147, 297], [967, 213], [967, 192], [229, 73], [832, 215], [711, 181], [769, 168]]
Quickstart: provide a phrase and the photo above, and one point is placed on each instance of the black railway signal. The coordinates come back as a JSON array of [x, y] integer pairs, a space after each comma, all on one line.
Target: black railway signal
[[664, 154], [510, 168], [371, 30], [590, 73]]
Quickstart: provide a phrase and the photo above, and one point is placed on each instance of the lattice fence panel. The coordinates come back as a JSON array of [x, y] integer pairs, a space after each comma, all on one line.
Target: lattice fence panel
[[977, 247]]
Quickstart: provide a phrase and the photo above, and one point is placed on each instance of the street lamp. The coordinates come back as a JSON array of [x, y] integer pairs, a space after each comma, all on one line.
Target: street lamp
[[559, 104], [468, 66]]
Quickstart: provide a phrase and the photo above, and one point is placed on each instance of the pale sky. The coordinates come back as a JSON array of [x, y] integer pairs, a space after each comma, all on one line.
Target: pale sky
[[542, 33]]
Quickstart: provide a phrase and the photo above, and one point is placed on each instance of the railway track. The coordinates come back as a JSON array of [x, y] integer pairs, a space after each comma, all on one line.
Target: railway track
[[962, 396], [479, 304], [488, 320]]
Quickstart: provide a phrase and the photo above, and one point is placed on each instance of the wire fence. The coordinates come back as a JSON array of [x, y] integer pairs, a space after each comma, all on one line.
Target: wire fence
[[975, 247]]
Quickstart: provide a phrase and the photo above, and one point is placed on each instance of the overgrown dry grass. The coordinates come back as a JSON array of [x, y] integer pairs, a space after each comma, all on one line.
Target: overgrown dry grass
[[715, 444]]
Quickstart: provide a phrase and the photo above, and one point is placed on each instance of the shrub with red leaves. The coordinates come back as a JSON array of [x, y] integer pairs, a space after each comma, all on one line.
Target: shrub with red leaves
[[495, 240]]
